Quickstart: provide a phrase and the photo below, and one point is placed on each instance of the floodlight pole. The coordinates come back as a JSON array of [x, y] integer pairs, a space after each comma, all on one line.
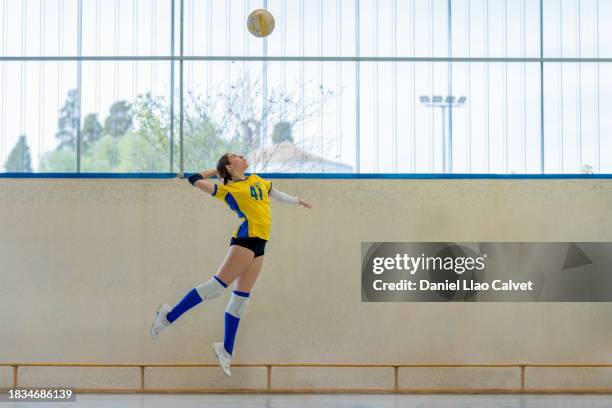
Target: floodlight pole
[[443, 103]]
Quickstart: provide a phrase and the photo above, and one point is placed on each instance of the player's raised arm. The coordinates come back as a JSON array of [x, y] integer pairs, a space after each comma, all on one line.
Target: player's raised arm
[[200, 180]]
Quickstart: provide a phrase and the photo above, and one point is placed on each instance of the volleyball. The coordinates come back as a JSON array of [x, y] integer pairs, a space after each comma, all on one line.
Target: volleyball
[[260, 23]]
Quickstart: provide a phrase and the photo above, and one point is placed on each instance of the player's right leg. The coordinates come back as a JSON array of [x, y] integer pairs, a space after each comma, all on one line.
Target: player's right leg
[[236, 261]]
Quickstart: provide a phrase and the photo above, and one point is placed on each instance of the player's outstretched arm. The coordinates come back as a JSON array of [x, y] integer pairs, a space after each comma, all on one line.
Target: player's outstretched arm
[[200, 180], [303, 203], [286, 198]]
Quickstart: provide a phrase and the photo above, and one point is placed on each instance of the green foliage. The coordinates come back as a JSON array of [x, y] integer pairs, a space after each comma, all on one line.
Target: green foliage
[[119, 120], [19, 160], [138, 154], [145, 146], [60, 160], [203, 144], [136, 135], [282, 131], [68, 122], [102, 157], [92, 131]]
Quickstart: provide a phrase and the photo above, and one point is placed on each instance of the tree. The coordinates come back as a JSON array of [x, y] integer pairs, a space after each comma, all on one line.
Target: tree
[[239, 106], [19, 160], [119, 119], [232, 118], [204, 141], [92, 131], [282, 131], [68, 122], [58, 161], [102, 156], [147, 147]]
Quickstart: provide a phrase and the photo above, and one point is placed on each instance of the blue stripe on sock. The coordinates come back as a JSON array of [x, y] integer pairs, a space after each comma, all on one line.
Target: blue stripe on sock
[[220, 281], [190, 300], [231, 327]]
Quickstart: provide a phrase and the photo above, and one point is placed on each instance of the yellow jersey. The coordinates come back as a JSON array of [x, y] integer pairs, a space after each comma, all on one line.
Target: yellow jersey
[[249, 199]]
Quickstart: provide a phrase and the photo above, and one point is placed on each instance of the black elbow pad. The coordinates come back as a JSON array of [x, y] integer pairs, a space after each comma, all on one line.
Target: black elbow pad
[[195, 177]]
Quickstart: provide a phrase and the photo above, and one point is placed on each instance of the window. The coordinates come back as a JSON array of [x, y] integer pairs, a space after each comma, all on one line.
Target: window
[[341, 86]]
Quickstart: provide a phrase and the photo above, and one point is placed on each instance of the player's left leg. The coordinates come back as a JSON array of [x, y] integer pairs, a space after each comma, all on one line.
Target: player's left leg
[[239, 301], [246, 281], [235, 310]]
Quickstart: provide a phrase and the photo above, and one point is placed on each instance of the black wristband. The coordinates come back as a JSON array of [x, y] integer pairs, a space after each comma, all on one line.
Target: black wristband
[[195, 177]]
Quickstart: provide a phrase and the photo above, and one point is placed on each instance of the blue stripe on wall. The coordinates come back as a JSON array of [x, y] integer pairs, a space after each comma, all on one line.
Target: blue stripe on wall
[[318, 175], [90, 175], [429, 176]]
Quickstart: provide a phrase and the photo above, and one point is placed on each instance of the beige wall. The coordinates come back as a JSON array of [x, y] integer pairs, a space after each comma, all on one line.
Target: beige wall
[[85, 262]]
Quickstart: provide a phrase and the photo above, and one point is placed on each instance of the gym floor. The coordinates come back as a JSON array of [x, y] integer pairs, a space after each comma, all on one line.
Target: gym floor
[[329, 401]]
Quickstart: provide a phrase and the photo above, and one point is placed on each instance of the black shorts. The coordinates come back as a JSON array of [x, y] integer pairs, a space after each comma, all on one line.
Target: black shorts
[[255, 244]]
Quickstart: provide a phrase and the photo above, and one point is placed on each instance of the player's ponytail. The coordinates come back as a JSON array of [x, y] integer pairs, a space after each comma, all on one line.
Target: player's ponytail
[[222, 170]]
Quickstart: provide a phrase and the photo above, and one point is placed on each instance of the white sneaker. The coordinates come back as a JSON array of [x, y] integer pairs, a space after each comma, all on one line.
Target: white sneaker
[[224, 358], [160, 320]]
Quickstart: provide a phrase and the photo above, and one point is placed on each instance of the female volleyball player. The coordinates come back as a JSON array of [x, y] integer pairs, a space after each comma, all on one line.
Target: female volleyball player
[[248, 197]]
